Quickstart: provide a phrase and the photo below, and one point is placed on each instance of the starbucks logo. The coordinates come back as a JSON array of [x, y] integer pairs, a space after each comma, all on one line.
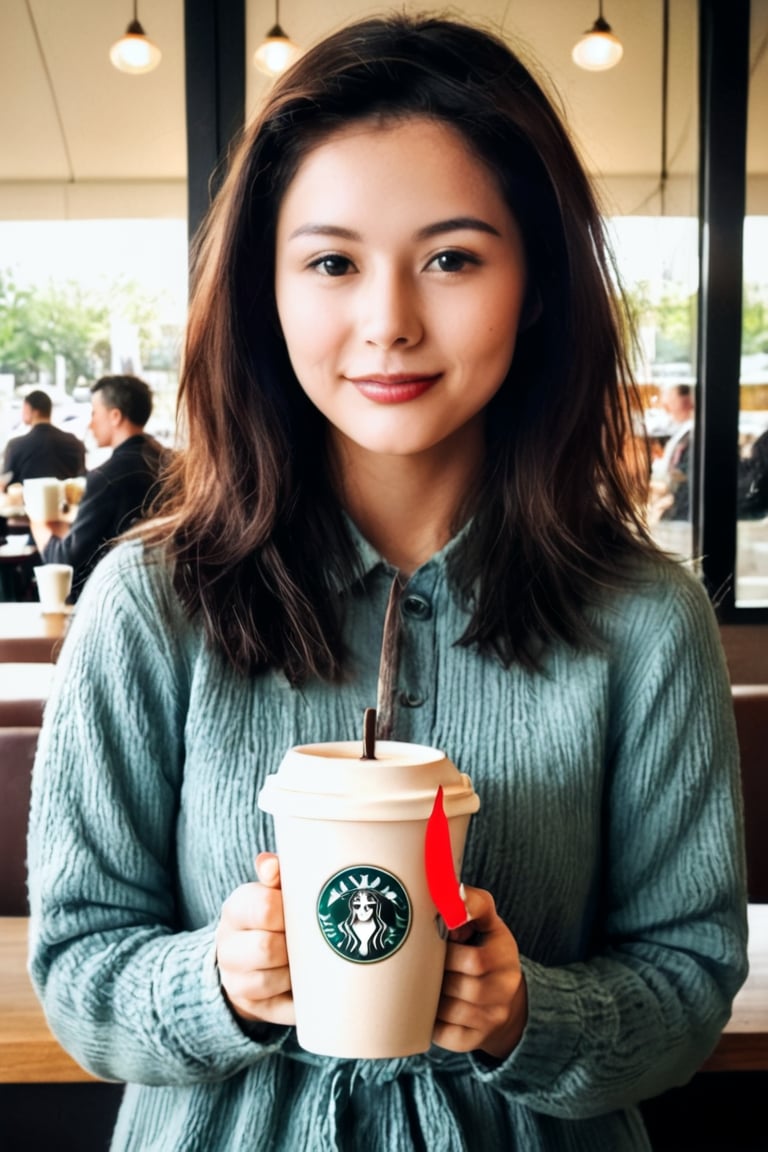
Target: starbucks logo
[[364, 913]]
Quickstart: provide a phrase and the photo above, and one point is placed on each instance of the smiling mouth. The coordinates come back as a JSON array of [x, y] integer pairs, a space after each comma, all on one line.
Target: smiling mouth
[[393, 389]]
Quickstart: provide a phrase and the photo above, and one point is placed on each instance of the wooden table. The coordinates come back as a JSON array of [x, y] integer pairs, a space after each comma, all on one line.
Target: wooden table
[[15, 517], [743, 1045], [16, 549], [28, 635], [30, 1054], [24, 689]]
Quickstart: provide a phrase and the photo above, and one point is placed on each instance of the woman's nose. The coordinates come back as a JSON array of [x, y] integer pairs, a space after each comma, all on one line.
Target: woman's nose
[[390, 313]]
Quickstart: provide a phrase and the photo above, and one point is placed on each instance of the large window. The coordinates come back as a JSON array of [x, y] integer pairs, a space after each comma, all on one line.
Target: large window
[[81, 298], [93, 208], [733, 339], [752, 488], [658, 257], [658, 260]]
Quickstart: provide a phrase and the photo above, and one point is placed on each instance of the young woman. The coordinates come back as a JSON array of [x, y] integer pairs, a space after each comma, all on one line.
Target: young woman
[[404, 385]]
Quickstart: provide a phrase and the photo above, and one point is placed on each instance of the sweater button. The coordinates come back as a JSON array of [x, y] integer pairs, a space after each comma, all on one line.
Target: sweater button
[[416, 606], [411, 700]]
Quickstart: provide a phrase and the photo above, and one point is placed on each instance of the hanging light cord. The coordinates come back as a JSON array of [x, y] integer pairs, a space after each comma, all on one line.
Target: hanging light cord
[[52, 90], [664, 174]]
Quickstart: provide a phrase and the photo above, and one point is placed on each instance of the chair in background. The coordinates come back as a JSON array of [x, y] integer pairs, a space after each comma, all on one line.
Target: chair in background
[[750, 702], [17, 753]]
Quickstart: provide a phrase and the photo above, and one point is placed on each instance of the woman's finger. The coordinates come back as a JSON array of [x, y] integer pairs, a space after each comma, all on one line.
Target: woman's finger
[[268, 869], [483, 1001], [254, 906]]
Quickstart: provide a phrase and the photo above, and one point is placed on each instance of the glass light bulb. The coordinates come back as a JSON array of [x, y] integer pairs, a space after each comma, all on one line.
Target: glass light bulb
[[133, 53], [597, 51], [275, 54]]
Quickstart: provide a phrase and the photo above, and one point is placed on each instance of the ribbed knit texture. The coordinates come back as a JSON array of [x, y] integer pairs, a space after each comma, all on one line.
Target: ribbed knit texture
[[609, 835]]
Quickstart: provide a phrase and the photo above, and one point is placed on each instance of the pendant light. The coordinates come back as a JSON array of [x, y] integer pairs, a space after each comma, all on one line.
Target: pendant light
[[134, 52], [598, 49], [277, 51]]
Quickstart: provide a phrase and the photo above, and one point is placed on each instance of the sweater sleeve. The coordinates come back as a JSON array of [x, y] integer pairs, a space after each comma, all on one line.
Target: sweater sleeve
[[129, 993], [643, 1011]]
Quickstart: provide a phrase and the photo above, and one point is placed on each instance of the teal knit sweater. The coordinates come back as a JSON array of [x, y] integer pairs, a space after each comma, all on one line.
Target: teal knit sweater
[[609, 835]]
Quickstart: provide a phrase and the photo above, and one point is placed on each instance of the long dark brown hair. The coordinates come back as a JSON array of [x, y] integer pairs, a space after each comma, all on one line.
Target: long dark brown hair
[[254, 528]]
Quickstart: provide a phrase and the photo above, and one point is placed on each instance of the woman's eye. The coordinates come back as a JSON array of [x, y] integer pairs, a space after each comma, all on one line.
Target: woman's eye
[[332, 265], [452, 261]]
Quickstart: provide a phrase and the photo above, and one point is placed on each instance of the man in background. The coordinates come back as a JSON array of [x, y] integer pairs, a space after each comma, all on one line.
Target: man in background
[[45, 450], [752, 486], [670, 476], [118, 492]]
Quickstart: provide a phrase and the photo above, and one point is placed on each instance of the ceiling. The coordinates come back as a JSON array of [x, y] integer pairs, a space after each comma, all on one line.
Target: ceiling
[[80, 140]]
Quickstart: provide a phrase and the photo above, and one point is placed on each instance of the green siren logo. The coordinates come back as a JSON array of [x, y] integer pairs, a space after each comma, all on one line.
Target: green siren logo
[[364, 913]]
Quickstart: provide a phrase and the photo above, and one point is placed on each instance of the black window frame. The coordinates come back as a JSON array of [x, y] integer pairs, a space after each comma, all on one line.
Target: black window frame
[[724, 39]]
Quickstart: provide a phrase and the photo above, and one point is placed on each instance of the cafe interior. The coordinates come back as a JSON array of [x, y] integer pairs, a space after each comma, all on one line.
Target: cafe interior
[[669, 107]]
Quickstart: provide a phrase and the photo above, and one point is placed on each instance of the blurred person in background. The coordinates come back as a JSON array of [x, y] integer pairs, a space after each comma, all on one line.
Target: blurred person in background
[[119, 490], [670, 483], [45, 450], [753, 481]]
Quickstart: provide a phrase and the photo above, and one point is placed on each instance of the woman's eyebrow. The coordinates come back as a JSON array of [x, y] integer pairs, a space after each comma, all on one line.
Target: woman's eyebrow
[[325, 230], [439, 228], [456, 224]]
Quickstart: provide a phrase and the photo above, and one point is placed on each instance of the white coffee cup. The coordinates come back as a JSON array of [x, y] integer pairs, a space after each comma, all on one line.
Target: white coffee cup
[[42, 498], [365, 947], [54, 584]]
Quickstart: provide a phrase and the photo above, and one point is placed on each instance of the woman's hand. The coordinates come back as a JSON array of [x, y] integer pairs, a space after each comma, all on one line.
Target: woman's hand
[[483, 1004], [250, 948]]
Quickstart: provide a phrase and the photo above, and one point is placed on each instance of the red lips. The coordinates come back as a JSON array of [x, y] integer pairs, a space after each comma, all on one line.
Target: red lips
[[395, 389]]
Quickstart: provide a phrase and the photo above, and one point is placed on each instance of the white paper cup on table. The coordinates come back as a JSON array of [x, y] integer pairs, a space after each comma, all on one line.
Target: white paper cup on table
[[365, 949], [42, 498], [54, 584]]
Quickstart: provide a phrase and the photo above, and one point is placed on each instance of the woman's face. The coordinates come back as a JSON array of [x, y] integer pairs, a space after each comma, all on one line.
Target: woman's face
[[363, 906], [400, 277]]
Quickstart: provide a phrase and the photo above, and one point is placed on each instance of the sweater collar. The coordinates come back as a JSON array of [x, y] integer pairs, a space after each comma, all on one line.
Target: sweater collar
[[370, 560]]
